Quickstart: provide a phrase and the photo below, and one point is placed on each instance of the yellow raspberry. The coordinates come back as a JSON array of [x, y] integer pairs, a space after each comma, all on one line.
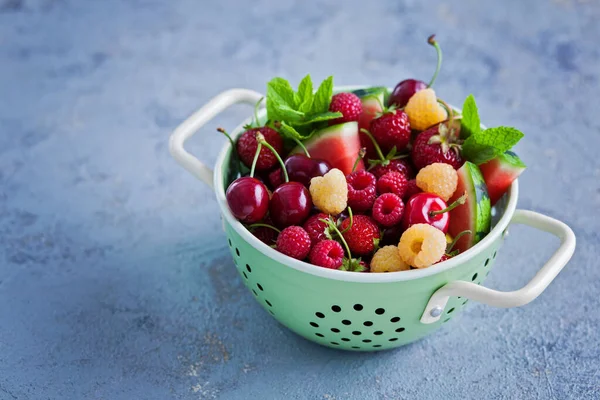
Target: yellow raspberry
[[330, 192], [439, 179], [422, 245], [424, 111], [387, 259]]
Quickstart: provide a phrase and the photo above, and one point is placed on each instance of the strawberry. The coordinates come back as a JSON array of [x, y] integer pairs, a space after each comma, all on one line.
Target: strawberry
[[348, 104], [391, 129], [438, 144], [363, 236], [247, 145]]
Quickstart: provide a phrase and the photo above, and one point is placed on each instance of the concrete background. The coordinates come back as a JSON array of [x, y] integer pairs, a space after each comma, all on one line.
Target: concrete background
[[115, 278]]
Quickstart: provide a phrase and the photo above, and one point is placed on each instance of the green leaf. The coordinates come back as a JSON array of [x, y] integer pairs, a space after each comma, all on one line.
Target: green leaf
[[279, 93], [490, 143], [326, 116], [289, 114], [322, 97], [305, 95], [501, 137], [470, 123], [290, 131], [478, 153]]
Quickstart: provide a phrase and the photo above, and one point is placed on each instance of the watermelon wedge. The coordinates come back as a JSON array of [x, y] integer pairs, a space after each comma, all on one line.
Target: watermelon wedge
[[500, 173], [475, 215], [338, 145], [372, 100]]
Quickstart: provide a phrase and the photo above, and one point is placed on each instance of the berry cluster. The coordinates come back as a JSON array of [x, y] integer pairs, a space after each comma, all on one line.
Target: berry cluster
[[370, 187]]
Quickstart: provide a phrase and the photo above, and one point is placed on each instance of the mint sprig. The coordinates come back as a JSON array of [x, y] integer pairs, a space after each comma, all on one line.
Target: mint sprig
[[480, 145], [470, 123], [300, 112]]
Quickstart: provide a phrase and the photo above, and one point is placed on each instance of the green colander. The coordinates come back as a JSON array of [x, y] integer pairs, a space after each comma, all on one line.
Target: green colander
[[364, 311]]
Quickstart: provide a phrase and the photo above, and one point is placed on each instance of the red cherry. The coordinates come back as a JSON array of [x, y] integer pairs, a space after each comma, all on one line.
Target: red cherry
[[290, 204], [405, 90], [301, 168], [248, 199], [420, 208]]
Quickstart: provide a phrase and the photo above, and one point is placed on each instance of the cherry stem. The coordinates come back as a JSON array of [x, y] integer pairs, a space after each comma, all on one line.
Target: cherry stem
[[259, 225], [361, 154], [256, 110], [460, 201], [351, 220], [258, 149], [375, 144], [299, 143], [261, 141], [332, 226], [455, 240], [431, 40], [227, 135], [449, 110]]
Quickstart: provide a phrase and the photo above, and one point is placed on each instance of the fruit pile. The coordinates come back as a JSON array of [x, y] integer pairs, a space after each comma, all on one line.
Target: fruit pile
[[369, 180]]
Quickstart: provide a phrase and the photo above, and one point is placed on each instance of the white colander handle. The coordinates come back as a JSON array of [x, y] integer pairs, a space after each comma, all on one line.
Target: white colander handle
[[191, 125], [520, 297]]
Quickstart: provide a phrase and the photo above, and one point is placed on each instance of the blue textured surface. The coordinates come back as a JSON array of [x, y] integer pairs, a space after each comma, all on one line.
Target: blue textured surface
[[113, 284]]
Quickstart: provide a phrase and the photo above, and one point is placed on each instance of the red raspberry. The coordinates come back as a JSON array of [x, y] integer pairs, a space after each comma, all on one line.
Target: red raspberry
[[402, 165], [316, 229], [362, 235], [275, 178], [247, 145], [348, 104], [293, 241], [438, 144], [392, 182], [388, 210], [266, 235], [444, 258], [361, 190], [327, 254], [391, 129], [411, 189]]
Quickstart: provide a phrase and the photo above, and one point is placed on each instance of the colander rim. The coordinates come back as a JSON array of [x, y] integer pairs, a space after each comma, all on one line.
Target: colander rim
[[348, 276]]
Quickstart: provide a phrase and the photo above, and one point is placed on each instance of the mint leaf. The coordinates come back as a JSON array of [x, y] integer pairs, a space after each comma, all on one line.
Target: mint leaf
[[290, 115], [323, 97], [478, 153], [490, 143], [326, 116], [305, 95], [279, 93], [291, 132], [470, 123], [301, 112], [501, 137]]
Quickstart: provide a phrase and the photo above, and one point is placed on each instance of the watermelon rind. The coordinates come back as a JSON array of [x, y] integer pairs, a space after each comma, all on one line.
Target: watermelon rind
[[372, 91], [478, 204]]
